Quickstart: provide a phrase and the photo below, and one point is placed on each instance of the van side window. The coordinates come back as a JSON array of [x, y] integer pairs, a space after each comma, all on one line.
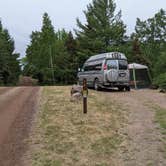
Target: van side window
[[86, 68], [112, 64], [93, 67], [97, 67]]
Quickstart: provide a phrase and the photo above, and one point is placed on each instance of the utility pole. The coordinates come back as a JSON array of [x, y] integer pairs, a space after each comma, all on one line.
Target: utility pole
[[52, 67]]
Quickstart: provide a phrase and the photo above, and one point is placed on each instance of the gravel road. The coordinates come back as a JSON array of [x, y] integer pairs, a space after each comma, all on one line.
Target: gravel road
[[17, 107]]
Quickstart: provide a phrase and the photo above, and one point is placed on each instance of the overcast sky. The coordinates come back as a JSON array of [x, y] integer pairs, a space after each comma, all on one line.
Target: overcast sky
[[21, 17]]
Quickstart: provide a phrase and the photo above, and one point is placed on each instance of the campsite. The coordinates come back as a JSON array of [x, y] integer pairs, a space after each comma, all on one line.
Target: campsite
[[83, 83], [120, 128]]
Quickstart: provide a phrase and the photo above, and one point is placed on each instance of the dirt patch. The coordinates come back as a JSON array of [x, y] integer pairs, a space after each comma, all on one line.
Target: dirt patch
[[142, 145], [17, 107]]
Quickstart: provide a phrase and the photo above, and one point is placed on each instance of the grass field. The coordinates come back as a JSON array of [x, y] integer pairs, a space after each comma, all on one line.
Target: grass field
[[65, 136]]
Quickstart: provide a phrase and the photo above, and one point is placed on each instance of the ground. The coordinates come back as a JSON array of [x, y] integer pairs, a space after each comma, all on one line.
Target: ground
[[17, 107], [120, 129], [143, 143]]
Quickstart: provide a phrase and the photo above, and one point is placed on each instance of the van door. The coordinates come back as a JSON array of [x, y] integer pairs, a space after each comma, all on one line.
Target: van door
[[123, 71], [112, 70]]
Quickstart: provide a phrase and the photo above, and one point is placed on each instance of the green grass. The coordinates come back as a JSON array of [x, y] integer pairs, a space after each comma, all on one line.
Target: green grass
[[65, 136], [106, 146], [161, 117]]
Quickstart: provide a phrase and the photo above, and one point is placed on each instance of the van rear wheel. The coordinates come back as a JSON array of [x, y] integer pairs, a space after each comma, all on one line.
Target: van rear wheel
[[121, 88], [127, 88], [96, 84]]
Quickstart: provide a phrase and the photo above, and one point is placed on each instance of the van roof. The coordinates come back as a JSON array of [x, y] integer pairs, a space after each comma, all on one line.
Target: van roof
[[111, 55]]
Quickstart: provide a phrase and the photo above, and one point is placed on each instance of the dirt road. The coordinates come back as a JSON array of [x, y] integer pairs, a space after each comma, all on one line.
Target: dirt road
[[143, 145], [17, 107]]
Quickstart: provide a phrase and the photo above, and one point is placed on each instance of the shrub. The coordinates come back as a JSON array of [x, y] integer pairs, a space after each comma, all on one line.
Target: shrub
[[161, 81]]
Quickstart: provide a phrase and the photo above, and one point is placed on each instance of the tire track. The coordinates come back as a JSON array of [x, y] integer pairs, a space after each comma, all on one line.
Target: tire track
[[16, 114]]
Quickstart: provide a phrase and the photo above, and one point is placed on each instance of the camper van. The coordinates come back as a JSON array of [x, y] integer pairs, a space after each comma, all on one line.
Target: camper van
[[106, 70]]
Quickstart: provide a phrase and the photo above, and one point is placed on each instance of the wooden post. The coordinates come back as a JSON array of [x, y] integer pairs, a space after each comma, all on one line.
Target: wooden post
[[85, 93]]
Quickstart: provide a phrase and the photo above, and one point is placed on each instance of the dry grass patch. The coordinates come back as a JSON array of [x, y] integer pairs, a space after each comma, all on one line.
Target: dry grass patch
[[65, 136]]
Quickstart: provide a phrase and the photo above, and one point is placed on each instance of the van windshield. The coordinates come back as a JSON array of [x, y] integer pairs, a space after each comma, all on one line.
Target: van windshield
[[112, 64], [123, 65]]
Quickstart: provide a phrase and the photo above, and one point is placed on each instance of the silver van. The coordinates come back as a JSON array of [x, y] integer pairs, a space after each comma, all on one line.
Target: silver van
[[106, 70]]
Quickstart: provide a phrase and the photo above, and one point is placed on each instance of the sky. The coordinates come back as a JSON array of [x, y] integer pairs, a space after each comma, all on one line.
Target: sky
[[21, 17]]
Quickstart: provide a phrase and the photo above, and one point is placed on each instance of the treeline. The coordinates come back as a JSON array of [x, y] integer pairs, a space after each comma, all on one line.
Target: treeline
[[53, 57]]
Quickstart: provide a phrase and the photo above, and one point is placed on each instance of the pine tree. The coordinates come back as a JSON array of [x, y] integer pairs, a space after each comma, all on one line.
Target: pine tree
[[33, 56], [71, 46], [9, 65], [152, 36], [137, 55], [103, 29], [152, 29], [41, 51]]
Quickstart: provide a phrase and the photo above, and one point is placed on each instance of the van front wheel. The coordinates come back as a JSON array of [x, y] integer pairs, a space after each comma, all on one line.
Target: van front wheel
[[96, 84]]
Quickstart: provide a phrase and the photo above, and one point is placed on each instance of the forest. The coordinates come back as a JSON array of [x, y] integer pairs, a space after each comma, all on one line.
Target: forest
[[53, 56]]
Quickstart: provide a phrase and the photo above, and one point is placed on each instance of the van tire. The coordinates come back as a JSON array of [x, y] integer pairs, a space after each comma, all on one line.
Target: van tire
[[127, 88], [120, 88], [96, 84]]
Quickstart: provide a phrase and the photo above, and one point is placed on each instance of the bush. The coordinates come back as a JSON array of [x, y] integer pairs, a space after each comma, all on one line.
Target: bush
[[160, 66], [161, 81]]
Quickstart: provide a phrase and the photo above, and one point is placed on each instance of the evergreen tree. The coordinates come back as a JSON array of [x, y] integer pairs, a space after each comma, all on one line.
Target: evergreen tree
[[49, 56], [61, 58], [40, 52], [152, 29], [160, 65], [160, 71], [137, 55], [33, 57], [9, 65], [71, 46], [152, 35], [103, 30]]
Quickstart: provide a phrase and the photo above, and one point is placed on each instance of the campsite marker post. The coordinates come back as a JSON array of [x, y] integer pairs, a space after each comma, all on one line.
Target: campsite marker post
[[85, 94]]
